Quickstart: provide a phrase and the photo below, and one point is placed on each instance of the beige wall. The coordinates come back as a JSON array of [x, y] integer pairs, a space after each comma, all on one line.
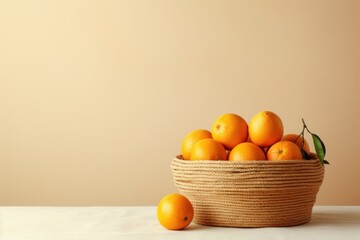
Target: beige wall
[[96, 96]]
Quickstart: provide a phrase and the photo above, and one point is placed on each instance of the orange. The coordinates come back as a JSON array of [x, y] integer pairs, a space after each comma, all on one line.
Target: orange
[[190, 140], [208, 149], [265, 129], [292, 137], [175, 212], [230, 130], [247, 151], [284, 150]]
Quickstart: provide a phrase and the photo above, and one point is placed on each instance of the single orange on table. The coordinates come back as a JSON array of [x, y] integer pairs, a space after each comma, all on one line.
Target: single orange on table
[[208, 149], [265, 129], [175, 212], [230, 129], [284, 150], [246, 151], [299, 141], [190, 140]]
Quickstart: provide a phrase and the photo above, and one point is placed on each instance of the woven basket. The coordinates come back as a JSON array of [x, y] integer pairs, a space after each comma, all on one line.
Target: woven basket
[[249, 193]]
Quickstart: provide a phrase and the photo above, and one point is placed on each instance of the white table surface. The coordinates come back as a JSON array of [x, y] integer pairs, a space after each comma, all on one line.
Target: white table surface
[[141, 223]]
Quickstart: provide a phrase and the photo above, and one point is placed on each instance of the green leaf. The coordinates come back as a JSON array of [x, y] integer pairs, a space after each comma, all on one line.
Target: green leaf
[[326, 162], [319, 147], [321, 142]]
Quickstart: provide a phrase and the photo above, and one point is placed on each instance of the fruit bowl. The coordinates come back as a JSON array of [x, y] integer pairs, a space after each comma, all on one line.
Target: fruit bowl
[[259, 193]]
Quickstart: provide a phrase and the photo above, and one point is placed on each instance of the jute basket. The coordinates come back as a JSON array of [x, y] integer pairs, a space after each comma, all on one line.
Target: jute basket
[[249, 193]]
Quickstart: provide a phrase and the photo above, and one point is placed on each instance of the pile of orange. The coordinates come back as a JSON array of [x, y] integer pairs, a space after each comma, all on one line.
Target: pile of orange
[[232, 138]]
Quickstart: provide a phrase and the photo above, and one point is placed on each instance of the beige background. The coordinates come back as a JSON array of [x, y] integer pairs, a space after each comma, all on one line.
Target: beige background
[[96, 96]]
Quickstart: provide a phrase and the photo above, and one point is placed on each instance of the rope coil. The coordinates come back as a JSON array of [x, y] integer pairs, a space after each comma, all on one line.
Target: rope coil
[[249, 193]]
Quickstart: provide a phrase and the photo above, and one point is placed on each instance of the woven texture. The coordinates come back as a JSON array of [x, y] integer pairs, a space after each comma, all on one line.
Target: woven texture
[[249, 193]]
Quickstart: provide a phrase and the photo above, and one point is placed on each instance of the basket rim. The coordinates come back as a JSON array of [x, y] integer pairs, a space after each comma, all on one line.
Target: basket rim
[[178, 158]]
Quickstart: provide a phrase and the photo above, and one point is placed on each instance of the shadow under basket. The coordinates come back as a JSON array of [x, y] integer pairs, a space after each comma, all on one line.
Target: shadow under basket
[[249, 193]]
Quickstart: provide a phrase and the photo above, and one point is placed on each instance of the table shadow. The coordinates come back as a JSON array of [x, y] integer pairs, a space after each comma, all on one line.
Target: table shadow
[[333, 219], [342, 219], [196, 227]]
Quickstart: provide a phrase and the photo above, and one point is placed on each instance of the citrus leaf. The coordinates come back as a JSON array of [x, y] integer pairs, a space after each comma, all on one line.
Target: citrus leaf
[[319, 147], [321, 142], [305, 155]]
